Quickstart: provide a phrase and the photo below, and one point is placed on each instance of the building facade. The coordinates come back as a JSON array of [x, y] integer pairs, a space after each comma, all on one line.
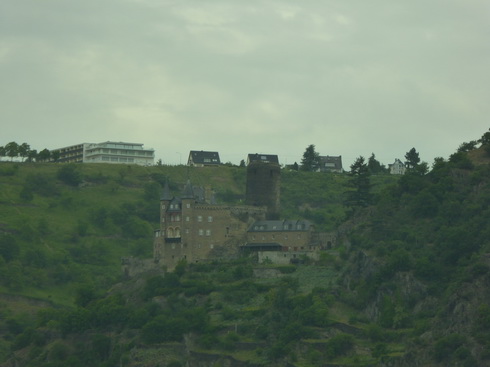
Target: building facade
[[397, 168], [331, 164], [201, 158], [107, 152], [192, 227], [283, 235]]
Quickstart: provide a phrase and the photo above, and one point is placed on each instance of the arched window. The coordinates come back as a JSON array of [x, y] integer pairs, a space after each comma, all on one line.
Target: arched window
[[170, 232]]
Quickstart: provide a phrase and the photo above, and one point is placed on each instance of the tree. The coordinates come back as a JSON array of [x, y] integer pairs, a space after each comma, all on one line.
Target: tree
[[44, 155], [24, 150], [412, 159], [3, 152], [466, 147], [12, 150], [374, 166], [311, 159], [360, 181], [70, 175], [55, 155], [32, 155], [485, 141]]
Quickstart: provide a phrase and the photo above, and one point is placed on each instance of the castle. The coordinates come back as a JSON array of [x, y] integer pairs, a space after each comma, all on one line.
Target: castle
[[195, 229]]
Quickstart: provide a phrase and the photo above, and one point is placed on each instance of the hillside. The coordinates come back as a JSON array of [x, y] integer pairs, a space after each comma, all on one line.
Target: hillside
[[408, 284]]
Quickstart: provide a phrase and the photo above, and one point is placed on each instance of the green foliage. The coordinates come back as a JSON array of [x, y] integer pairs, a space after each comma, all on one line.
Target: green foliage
[[9, 249], [446, 346], [360, 182], [339, 345], [70, 175], [311, 159]]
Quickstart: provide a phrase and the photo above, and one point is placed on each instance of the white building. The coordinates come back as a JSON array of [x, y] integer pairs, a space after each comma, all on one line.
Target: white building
[[397, 168], [107, 152]]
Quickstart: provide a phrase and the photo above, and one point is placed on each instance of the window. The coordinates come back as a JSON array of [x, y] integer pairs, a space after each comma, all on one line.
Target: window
[[199, 218], [188, 205], [210, 219], [201, 232], [211, 246], [187, 219], [208, 232]]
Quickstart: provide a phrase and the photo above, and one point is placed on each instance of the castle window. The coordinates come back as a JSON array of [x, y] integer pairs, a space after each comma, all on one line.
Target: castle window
[[286, 237], [163, 206], [173, 246], [199, 218], [177, 218], [211, 246], [208, 232], [201, 232], [210, 219], [187, 219], [188, 205], [273, 237], [253, 238]]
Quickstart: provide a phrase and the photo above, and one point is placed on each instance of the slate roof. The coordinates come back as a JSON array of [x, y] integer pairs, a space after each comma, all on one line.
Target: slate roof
[[331, 163], [203, 157], [264, 158], [280, 226]]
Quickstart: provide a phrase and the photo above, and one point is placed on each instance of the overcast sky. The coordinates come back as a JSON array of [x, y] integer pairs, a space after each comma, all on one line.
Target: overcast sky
[[352, 77]]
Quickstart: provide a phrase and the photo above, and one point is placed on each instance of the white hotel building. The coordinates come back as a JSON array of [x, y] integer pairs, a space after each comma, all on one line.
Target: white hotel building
[[107, 152]]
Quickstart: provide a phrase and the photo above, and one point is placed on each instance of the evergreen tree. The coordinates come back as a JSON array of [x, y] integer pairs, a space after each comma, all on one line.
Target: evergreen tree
[[311, 159], [412, 159], [374, 166], [360, 181]]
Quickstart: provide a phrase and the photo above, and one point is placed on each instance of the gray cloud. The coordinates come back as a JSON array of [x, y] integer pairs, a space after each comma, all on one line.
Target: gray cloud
[[250, 77]]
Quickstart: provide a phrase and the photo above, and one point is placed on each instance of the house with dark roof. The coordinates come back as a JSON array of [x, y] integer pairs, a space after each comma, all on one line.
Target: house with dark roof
[[201, 158], [263, 158], [331, 164]]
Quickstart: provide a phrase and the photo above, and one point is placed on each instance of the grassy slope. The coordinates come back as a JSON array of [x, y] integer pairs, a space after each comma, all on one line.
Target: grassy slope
[[52, 222]]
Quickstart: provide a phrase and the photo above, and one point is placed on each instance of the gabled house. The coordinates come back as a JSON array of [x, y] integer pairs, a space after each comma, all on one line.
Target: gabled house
[[331, 164], [263, 158], [201, 158], [397, 168]]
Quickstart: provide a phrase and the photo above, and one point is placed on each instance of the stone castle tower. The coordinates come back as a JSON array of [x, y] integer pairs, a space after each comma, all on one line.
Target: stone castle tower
[[264, 183]]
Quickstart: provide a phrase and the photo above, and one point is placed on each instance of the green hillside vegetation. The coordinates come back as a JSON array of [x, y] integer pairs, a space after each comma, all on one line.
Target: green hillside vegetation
[[406, 285]]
